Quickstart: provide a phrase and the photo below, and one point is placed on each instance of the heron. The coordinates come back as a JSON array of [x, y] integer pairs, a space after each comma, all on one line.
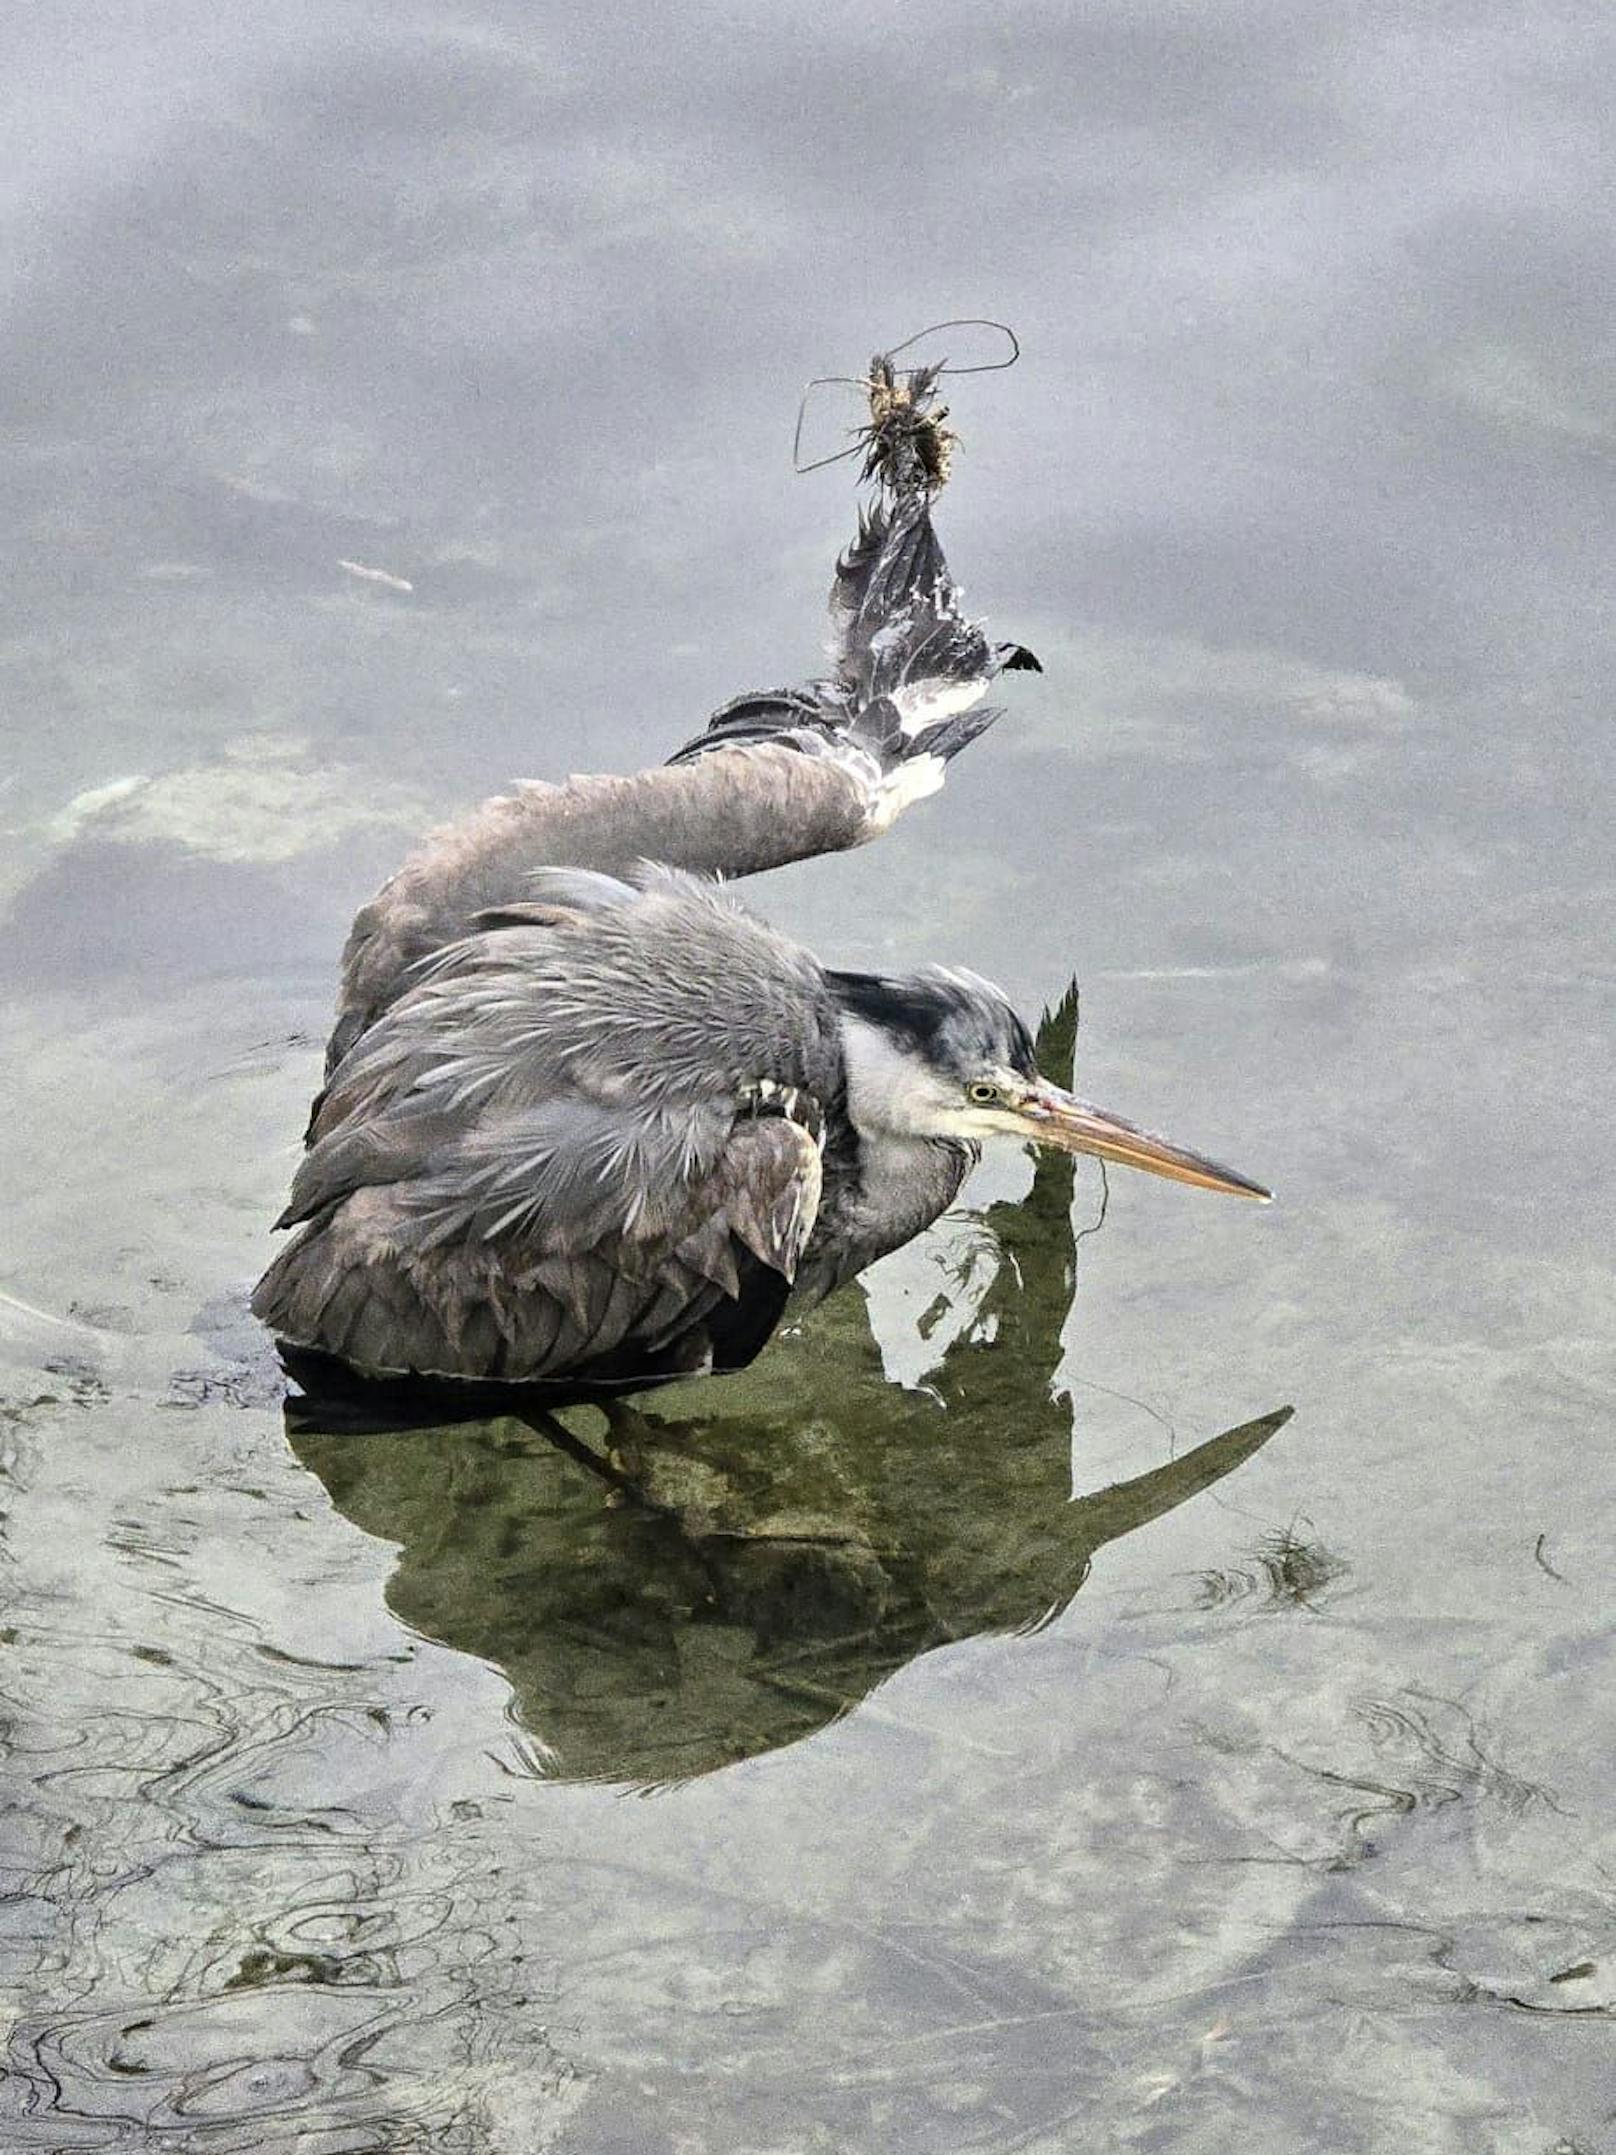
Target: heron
[[587, 1125]]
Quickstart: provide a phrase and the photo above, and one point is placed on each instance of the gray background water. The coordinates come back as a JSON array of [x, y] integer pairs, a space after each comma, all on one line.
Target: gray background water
[[1295, 1829]]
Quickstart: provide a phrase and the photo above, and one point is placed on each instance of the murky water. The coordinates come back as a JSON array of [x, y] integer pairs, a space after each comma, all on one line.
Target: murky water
[[1011, 1734]]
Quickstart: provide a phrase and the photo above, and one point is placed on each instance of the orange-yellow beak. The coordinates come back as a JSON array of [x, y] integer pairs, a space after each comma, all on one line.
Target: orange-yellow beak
[[1052, 1117]]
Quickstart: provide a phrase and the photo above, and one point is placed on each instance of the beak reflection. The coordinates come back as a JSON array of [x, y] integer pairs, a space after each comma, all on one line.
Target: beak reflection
[[1053, 1117]]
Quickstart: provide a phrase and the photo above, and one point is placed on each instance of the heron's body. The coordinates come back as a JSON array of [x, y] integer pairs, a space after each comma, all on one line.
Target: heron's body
[[605, 1141], [588, 1126]]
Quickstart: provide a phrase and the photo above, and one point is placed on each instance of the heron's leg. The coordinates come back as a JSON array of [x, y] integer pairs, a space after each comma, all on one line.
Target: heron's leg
[[555, 1431], [632, 1436]]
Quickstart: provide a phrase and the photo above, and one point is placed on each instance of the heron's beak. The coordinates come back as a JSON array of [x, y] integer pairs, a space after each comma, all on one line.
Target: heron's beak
[[1052, 1117]]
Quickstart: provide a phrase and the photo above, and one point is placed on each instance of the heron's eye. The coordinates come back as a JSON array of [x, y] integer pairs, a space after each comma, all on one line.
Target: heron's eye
[[983, 1095]]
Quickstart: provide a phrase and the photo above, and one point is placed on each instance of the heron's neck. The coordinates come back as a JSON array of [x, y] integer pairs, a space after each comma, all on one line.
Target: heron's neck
[[904, 1183], [891, 1095], [906, 1172]]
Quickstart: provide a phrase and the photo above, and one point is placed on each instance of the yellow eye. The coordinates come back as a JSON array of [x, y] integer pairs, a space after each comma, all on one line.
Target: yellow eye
[[983, 1095]]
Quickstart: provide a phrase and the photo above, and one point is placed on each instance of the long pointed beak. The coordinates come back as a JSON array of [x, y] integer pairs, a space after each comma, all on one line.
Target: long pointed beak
[[1052, 1117]]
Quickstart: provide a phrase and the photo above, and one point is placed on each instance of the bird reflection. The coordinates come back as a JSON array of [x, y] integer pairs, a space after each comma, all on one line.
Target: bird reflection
[[777, 1545]]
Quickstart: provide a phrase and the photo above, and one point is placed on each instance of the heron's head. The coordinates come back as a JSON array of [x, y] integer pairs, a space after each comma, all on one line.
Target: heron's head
[[941, 1054]]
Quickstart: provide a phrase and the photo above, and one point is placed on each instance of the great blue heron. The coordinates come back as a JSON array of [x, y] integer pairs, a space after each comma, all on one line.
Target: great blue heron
[[587, 1126]]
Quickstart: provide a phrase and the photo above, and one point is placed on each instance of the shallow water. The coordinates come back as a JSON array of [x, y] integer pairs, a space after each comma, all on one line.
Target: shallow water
[[1010, 1735]]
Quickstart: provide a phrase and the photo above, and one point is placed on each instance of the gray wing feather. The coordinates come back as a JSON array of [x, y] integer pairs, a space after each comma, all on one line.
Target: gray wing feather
[[538, 1159], [778, 776], [755, 807], [515, 1305], [894, 608], [907, 660]]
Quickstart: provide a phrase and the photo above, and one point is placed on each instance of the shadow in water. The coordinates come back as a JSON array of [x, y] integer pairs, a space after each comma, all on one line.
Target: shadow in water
[[787, 1538]]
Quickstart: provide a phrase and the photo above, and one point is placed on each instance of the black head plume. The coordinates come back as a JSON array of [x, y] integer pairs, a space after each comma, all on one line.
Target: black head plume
[[953, 1020]]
